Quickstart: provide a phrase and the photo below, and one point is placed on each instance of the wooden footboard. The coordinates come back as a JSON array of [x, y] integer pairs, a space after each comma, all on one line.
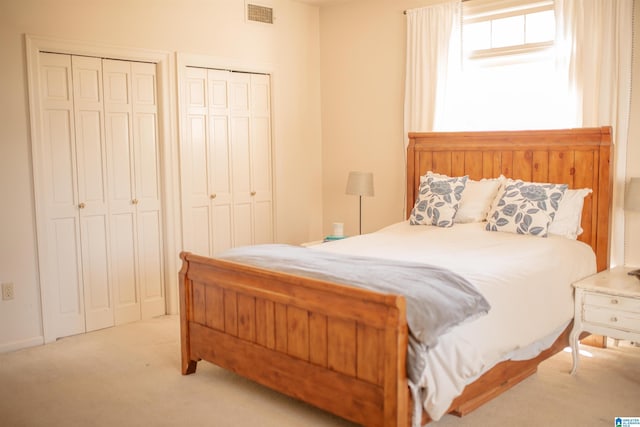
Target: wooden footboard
[[339, 348]]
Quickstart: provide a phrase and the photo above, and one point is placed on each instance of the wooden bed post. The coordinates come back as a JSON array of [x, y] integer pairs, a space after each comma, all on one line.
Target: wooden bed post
[[396, 398], [188, 365], [603, 243], [412, 186]]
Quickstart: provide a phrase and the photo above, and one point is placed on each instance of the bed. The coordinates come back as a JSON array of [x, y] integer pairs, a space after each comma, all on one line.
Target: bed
[[344, 349]]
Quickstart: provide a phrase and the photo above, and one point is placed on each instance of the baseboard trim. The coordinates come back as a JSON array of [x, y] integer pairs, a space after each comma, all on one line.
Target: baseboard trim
[[19, 345]]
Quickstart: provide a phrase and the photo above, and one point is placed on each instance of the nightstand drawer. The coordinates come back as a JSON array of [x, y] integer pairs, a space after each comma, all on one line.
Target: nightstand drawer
[[612, 318], [612, 301]]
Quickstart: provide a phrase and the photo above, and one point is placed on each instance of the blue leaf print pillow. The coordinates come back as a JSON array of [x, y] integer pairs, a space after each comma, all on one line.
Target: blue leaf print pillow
[[438, 200], [526, 208]]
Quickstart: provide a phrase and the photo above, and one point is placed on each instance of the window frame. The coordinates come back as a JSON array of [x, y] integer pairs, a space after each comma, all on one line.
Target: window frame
[[476, 11]]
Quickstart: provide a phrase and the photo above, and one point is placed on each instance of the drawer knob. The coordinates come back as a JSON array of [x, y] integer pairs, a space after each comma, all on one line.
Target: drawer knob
[[614, 301], [614, 319]]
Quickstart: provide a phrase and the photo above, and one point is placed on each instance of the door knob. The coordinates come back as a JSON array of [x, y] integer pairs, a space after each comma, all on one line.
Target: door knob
[[134, 201], [213, 196], [81, 205], [253, 193]]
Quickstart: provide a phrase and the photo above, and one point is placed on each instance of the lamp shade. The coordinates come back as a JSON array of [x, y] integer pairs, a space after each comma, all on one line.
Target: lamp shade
[[632, 196], [360, 184]]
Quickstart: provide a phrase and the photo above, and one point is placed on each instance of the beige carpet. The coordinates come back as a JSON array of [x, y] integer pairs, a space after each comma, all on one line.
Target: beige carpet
[[129, 376]]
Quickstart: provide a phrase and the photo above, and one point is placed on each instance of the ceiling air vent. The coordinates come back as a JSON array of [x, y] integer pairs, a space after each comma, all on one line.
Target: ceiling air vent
[[259, 13]]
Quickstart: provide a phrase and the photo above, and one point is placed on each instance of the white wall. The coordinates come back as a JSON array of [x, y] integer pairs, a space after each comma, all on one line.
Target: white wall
[[362, 51], [363, 56], [206, 27], [356, 49]]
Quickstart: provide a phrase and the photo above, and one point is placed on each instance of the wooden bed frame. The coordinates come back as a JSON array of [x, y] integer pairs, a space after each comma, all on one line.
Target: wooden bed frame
[[343, 349]]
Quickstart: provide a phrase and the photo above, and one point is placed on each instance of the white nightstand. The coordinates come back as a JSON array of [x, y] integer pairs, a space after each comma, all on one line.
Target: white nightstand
[[607, 303]]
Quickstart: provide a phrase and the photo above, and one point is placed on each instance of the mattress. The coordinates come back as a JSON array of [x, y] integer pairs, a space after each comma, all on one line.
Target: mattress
[[526, 280]]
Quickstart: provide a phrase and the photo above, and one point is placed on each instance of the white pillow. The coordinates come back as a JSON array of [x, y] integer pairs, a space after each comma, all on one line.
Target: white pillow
[[526, 207], [566, 223], [477, 199]]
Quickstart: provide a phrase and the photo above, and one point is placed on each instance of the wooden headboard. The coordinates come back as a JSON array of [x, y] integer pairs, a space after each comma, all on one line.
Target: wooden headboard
[[577, 157]]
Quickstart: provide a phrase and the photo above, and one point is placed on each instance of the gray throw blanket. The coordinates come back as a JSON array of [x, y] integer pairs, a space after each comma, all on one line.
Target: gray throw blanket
[[437, 299]]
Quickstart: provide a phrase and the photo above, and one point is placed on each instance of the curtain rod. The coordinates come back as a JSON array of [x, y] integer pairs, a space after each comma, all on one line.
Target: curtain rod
[[404, 12]]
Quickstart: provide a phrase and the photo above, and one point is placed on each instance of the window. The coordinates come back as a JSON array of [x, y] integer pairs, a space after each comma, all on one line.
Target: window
[[493, 28], [508, 78]]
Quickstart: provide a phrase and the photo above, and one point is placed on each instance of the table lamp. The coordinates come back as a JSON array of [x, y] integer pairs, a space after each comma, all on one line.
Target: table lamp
[[360, 184]]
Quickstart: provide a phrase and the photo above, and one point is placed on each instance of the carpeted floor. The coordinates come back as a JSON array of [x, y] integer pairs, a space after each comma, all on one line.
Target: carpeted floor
[[130, 376]]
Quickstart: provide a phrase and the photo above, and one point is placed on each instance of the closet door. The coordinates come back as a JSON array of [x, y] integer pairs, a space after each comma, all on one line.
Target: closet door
[[119, 133], [92, 191], [197, 194], [207, 163], [250, 112], [243, 191], [226, 160], [261, 161], [134, 196], [60, 249], [98, 193], [219, 158], [75, 249], [148, 190]]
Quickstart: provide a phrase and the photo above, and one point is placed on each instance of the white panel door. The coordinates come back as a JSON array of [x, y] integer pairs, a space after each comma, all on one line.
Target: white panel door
[[243, 191], [136, 223], [207, 181], [92, 191], [220, 180], [61, 278], [197, 233], [120, 152], [147, 190], [261, 173], [102, 248], [226, 160]]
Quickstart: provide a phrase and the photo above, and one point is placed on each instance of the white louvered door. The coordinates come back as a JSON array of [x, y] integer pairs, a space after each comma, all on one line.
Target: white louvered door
[[226, 155], [101, 253]]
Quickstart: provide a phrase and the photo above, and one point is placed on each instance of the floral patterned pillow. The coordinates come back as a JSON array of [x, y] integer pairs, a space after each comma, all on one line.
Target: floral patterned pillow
[[438, 200], [526, 207]]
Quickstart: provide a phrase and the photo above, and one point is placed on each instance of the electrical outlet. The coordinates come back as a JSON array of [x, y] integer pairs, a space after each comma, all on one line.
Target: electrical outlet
[[7, 291]]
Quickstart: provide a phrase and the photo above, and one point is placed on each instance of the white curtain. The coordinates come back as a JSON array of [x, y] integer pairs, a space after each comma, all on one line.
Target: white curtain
[[594, 42], [433, 52]]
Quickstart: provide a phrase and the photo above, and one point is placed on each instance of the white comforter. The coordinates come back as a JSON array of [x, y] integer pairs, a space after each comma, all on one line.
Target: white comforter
[[527, 280]]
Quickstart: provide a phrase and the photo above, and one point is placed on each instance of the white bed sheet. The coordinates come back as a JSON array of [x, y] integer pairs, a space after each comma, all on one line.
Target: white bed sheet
[[527, 280]]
